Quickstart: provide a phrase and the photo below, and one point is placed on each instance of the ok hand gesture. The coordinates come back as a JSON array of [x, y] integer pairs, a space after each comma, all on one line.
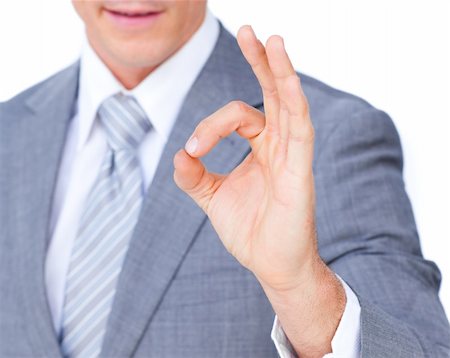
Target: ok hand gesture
[[263, 211]]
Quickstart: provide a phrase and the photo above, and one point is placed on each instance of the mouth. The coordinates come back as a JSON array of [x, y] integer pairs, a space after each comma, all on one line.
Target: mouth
[[132, 17]]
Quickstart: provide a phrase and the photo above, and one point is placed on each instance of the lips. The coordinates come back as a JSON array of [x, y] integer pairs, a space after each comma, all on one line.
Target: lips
[[130, 13], [129, 18]]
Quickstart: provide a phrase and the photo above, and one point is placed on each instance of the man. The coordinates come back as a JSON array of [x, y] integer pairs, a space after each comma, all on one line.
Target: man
[[103, 254]]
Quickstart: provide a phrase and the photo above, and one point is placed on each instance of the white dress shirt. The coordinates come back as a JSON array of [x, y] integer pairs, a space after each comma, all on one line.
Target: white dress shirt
[[160, 95]]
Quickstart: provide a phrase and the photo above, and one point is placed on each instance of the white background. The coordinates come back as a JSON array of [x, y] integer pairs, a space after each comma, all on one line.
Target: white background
[[395, 54]]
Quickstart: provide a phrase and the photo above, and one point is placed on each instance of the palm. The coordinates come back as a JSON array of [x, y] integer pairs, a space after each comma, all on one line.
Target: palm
[[250, 207], [263, 211]]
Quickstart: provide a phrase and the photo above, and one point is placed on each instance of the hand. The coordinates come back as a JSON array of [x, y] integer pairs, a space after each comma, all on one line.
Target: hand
[[263, 211]]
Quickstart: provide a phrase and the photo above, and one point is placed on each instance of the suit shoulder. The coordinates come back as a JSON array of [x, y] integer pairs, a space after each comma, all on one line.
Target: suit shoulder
[[39, 90], [329, 98], [338, 114], [330, 107]]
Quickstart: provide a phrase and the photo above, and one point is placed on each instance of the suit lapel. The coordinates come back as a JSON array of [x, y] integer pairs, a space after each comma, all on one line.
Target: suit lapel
[[170, 220], [39, 136]]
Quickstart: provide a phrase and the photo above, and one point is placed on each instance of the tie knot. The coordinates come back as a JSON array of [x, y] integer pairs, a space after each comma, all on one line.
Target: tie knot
[[124, 120]]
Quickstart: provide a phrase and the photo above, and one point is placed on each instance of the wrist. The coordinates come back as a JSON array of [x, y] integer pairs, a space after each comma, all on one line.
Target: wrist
[[307, 278], [310, 310]]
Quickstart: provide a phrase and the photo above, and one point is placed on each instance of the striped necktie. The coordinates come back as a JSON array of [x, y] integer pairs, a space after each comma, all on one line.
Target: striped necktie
[[108, 220]]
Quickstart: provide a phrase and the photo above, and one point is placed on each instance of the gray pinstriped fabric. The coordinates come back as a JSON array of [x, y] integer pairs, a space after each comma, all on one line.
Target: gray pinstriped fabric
[[106, 226]]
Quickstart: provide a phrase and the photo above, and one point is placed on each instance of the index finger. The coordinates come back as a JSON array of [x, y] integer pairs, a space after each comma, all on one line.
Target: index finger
[[237, 116]]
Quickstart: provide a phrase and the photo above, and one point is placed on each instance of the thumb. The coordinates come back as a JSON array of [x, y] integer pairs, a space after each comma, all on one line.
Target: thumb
[[192, 177]]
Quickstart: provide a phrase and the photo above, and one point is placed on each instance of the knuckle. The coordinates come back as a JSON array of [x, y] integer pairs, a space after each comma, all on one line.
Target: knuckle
[[210, 128], [270, 92], [308, 133], [303, 105], [294, 78], [304, 108], [204, 126], [238, 106], [304, 134], [200, 127]]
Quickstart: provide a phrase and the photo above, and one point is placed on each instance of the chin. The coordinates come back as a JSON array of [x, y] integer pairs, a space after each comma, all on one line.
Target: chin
[[146, 53]]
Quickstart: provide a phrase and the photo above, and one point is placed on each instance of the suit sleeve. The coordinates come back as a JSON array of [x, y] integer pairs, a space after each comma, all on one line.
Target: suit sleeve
[[367, 235]]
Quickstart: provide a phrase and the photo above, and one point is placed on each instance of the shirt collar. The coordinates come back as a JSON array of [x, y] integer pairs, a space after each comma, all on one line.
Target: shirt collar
[[160, 95]]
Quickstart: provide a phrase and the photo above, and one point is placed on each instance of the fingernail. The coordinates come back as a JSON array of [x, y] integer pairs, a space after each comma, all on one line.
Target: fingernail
[[191, 145]]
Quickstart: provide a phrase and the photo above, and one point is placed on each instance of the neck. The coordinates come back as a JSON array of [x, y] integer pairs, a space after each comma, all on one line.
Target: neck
[[130, 77]]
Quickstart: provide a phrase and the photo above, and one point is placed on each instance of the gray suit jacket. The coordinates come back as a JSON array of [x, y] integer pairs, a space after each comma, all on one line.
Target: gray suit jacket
[[180, 293]]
